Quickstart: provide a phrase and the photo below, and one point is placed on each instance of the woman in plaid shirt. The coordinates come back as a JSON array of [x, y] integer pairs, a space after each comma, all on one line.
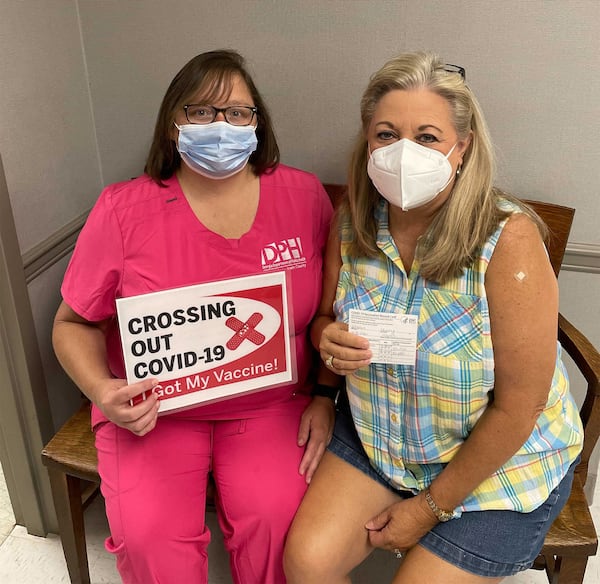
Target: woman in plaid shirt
[[456, 446]]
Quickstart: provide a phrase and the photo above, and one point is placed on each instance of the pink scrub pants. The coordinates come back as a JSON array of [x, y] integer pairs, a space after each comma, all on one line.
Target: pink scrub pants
[[155, 489]]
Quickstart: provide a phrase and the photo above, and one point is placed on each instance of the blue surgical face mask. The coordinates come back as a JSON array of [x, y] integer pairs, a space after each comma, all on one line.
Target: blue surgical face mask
[[218, 150]]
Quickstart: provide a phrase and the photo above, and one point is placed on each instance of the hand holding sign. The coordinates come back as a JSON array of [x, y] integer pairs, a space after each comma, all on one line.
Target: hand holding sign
[[115, 404], [184, 338]]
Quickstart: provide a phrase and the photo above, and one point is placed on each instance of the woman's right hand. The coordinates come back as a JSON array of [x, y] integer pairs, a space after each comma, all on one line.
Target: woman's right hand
[[80, 346], [113, 398], [343, 352]]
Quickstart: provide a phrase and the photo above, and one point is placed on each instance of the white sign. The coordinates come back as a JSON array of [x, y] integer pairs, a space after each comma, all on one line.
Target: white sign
[[210, 341]]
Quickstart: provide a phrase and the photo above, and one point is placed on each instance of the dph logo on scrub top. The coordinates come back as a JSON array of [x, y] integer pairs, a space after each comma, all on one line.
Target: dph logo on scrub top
[[284, 254]]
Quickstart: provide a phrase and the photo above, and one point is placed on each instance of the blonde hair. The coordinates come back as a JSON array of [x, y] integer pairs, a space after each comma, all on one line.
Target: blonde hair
[[471, 214]]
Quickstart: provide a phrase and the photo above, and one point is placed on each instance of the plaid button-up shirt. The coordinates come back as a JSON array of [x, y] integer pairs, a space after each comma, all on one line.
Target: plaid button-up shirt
[[413, 419]]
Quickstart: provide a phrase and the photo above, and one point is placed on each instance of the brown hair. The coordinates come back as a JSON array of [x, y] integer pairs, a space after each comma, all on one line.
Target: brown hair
[[211, 72]]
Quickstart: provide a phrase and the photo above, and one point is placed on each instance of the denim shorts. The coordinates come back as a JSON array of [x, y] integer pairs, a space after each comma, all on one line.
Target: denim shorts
[[492, 544]]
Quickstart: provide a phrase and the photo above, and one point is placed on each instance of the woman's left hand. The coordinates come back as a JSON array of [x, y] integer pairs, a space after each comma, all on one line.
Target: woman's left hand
[[316, 429], [401, 525]]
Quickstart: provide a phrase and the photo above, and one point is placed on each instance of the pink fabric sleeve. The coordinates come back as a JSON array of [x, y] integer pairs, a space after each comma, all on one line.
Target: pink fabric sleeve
[[93, 277]]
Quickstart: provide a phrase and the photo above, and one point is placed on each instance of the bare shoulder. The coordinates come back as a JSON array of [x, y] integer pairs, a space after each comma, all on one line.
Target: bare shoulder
[[520, 271], [519, 230], [520, 245]]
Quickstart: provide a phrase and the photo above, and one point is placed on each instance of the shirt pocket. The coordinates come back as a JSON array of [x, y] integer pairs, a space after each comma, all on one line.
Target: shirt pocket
[[451, 325], [359, 289]]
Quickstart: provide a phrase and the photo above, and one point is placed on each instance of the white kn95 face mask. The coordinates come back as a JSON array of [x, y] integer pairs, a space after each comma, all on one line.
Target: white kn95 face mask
[[409, 175]]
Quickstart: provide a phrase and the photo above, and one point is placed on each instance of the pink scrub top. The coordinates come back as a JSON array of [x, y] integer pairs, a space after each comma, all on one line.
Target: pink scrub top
[[141, 237]]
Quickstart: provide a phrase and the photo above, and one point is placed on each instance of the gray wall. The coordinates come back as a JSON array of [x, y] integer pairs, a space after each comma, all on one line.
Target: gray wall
[[81, 81], [533, 64]]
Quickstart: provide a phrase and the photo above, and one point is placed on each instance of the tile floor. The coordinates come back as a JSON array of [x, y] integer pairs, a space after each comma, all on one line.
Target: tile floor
[[26, 559]]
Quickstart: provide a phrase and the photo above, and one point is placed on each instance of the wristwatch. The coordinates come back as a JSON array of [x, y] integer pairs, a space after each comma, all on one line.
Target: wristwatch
[[333, 393], [442, 515]]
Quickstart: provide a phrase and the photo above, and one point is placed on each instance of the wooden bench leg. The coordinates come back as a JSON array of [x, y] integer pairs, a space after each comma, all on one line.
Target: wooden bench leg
[[569, 570], [66, 492]]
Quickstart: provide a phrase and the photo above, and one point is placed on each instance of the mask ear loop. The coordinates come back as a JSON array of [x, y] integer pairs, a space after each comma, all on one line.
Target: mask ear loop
[[457, 170], [451, 151]]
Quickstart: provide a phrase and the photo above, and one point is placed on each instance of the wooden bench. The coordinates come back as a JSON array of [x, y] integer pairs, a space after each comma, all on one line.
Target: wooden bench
[[73, 469], [72, 464]]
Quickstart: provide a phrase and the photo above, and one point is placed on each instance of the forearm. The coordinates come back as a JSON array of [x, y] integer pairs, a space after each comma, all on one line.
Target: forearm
[[80, 346], [81, 350], [496, 437]]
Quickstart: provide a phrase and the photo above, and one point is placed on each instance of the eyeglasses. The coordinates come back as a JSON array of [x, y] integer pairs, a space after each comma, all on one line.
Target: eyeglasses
[[455, 69], [236, 115]]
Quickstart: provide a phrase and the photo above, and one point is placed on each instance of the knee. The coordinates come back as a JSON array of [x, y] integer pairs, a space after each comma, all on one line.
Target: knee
[[132, 537], [270, 514], [305, 561]]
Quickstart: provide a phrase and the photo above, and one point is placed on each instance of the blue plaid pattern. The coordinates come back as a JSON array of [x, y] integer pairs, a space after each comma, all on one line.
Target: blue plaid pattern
[[413, 419]]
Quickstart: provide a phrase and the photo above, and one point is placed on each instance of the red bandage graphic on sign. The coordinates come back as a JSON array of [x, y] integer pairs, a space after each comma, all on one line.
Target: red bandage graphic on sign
[[244, 330]]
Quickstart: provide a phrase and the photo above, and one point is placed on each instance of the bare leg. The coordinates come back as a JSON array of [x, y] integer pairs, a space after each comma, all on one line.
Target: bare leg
[[328, 536], [420, 566]]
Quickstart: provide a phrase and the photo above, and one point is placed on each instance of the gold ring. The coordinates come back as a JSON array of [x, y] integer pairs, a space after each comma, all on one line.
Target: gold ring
[[329, 361]]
